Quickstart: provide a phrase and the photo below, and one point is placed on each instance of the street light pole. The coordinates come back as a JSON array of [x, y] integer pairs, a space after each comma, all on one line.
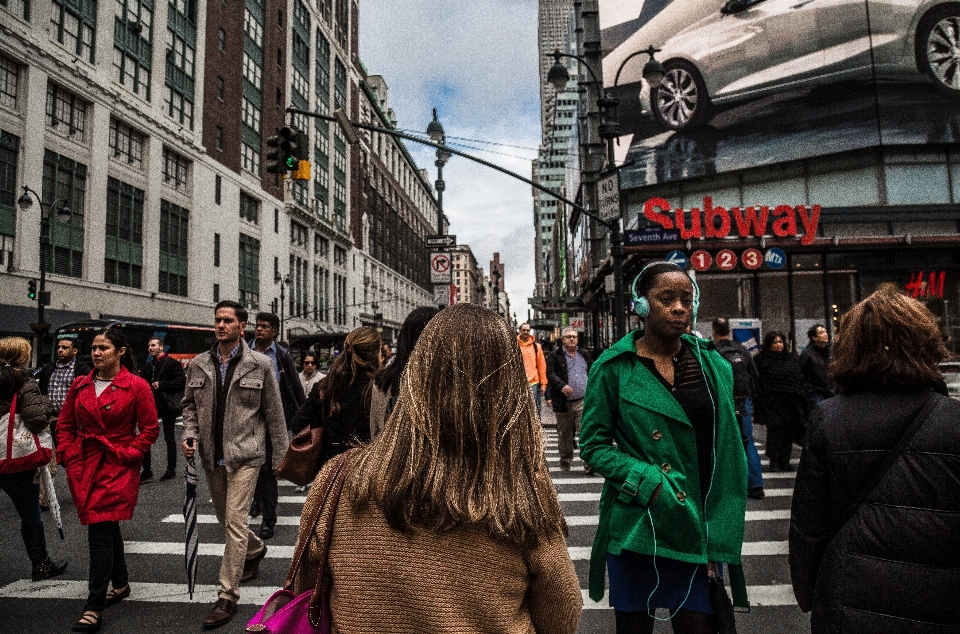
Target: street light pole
[[25, 202], [438, 136], [282, 281]]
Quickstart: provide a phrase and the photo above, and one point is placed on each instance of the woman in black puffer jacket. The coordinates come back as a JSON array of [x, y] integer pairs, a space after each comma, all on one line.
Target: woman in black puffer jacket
[[894, 566]]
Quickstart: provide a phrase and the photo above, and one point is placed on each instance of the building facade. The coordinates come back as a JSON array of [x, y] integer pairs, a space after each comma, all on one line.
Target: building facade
[[148, 121]]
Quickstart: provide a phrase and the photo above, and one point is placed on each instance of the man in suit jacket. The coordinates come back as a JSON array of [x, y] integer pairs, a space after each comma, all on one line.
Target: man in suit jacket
[[166, 378], [231, 404]]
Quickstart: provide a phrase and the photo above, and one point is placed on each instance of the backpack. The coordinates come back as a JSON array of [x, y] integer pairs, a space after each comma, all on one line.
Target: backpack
[[738, 358]]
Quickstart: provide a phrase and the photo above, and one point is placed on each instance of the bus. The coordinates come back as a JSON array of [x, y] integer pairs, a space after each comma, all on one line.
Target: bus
[[181, 342]]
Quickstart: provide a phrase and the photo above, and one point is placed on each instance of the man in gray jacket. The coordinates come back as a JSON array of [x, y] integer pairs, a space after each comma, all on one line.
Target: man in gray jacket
[[231, 404]]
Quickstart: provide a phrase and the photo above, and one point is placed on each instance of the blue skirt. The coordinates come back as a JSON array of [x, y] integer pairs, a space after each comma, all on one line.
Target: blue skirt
[[634, 583]]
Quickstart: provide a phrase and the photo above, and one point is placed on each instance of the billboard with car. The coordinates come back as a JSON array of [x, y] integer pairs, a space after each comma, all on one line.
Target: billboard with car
[[754, 82]]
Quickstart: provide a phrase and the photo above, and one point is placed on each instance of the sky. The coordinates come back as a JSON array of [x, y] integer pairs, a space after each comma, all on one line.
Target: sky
[[476, 63]]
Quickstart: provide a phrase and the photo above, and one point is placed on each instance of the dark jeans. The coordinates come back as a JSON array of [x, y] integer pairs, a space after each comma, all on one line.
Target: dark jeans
[[25, 495], [168, 423], [107, 563], [266, 494], [779, 447]]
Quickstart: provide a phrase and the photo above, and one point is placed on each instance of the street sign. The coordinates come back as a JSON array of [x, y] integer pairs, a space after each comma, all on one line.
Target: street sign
[[440, 269], [608, 196], [751, 259], [701, 260], [440, 241], [677, 257], [650, 235], [576, 323], [775, 258], [441, 294], [726, 260]]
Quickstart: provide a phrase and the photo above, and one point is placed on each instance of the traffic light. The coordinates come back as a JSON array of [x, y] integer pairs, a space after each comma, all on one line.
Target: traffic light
[[32, 289], [302, 172], [283, 157]]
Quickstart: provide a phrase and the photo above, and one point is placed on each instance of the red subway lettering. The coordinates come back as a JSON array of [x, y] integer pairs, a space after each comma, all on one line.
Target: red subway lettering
[[710, 213], [785, 223], [651, 211]]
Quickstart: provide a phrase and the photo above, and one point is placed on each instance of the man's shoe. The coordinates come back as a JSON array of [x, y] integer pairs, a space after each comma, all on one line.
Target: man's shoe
[[565, 465], [255, 510], [756, 493], [266, 532], [223, 610], [587, 469], [169, 474], [251, 567], [146, 476]]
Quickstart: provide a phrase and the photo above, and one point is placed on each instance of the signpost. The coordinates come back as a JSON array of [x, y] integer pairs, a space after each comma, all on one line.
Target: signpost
[[441, 294], [608, 196], [677, 257], [649, 235], [439, 242], [440, 269]]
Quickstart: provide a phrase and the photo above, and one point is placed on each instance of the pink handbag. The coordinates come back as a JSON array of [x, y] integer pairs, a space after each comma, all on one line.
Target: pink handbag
[[308, 612]]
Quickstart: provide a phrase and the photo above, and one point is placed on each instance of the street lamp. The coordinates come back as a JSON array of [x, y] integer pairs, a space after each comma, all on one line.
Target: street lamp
[[25, 202], [609, 129], [437, 135], [282, 281]]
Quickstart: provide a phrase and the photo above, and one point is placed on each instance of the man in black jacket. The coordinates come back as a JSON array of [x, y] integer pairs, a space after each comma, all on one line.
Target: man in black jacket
[[167, 380], [813, 363], [292, 397], [567, 369]]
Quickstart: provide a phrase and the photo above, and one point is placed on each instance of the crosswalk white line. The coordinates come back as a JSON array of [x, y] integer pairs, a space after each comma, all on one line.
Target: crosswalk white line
[[759, 596], [593, 496], [751, 516], [203, 518]]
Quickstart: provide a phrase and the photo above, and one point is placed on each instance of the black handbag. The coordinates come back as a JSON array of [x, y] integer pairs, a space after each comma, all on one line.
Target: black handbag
[[722, 607]]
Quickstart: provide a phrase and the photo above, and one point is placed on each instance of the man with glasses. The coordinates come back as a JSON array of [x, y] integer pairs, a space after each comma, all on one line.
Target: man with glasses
[[567, 369], [291, 397]]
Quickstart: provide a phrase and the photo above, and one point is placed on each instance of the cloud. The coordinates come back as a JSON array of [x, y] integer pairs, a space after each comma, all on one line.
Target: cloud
[[476, 62]]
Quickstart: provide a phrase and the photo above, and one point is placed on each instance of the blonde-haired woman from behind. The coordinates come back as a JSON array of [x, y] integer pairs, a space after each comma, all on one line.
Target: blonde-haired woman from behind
[[448, 520]]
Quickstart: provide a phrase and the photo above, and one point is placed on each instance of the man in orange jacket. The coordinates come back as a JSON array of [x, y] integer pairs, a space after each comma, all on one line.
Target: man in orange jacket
[[534, 363]]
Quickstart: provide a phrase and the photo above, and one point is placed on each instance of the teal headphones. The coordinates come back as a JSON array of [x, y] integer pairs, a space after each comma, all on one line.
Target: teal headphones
[[641, 305]]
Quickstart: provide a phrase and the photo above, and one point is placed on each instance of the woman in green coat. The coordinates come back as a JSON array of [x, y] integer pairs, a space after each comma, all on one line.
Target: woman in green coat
[[659, 425]]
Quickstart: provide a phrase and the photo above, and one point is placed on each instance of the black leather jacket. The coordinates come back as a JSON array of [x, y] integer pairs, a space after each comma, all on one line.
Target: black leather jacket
[[895, 566]]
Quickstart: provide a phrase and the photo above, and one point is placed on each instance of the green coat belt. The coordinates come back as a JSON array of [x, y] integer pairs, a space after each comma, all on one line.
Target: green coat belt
[[636, 435]]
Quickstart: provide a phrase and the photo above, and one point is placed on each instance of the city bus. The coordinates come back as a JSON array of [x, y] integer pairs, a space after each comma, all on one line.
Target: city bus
[[181, 342]]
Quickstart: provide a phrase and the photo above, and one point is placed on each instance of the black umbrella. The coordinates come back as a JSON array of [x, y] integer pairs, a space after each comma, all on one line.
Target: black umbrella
[[190, 520]]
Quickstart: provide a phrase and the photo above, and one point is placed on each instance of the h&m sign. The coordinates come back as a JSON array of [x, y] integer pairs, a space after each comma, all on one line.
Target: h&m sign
[[719, 222]]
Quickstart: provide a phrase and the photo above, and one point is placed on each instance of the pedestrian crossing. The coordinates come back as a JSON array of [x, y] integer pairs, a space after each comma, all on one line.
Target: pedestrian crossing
[[154, 546]]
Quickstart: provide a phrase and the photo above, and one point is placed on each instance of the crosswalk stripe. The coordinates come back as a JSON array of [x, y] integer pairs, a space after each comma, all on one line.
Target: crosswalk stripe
[[593, 496], [177, 518], [751, 516], [750, 549], [759, 596]]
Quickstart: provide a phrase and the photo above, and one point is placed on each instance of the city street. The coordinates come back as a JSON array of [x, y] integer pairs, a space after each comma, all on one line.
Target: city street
[[159, 602]]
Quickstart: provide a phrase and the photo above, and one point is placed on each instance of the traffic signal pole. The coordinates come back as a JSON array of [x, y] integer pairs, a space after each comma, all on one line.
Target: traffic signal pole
[[616, 236]]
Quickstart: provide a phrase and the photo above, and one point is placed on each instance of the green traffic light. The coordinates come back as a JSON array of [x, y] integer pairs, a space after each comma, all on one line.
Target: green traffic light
[[291, 162]]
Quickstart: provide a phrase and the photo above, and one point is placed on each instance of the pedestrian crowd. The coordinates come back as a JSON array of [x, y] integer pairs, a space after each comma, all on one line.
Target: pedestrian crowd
[[430, 504]]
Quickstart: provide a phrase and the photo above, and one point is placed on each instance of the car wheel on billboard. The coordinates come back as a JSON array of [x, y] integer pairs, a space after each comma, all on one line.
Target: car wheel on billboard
[[681, 101], [938, 40]]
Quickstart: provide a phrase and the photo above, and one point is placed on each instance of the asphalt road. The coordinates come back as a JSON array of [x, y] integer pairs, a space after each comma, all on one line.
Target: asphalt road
[[159, 603]]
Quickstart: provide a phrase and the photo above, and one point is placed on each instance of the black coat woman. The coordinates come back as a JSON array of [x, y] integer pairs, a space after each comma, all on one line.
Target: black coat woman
[[875, 523], [781, 400]]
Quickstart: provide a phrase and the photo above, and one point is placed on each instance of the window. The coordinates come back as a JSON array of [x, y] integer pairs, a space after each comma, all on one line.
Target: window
[[65, 179], [174, 222], [250, 158], [249, 271], [123, 253], [322, 80], [301, 50], [176, 170], [216, 293], [298, 290], [249, 208], [9, 81], [216, 249], [218, 189], [133, 45], [9, 155], [126, 143], [321, 246], [219, 138], [251, 115], [253, 27], [301, 15], [66, 113], [298, 234], [276, 220], [301, 88], [339, 256], [252, 71], [220, 88], [19, 8], [179, 108], [73, 25], [222, 40], [339, 84]]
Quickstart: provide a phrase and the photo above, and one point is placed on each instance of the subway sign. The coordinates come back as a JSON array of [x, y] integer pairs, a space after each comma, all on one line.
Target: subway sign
[[754, 221]]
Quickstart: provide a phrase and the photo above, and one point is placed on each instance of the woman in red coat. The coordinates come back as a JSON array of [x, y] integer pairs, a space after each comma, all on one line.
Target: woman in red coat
[[101, 450]]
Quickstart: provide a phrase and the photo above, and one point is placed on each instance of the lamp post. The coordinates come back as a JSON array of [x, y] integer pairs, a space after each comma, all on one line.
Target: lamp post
[[437, 135], [282, 281], [25, 202]]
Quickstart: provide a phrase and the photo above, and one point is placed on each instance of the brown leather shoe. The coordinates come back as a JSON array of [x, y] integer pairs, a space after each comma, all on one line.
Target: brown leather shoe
[[223, 610], [251, 567]]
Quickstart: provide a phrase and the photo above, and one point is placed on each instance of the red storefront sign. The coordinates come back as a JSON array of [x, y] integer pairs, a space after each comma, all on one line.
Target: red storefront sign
[[925, 285], [719, 222]]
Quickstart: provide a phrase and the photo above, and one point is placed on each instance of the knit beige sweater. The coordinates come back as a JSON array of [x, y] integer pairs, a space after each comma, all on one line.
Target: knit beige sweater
[[461, 581]]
